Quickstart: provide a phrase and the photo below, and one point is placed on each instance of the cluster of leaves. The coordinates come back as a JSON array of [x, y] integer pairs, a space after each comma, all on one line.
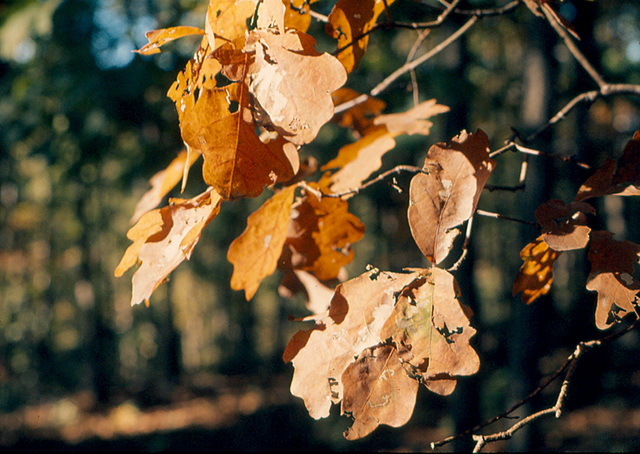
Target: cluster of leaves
[[255, 92]]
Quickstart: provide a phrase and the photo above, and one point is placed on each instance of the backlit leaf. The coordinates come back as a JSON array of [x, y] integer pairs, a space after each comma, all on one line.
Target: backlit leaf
[[349, 23], [158, 38], [254, 254], [226, 21], [536, 273], [357, 161], [163, 238], [321, 234], [236, 162]]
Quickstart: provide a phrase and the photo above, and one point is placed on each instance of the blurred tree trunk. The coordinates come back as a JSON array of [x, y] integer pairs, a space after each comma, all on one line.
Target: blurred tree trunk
[[526, 328]]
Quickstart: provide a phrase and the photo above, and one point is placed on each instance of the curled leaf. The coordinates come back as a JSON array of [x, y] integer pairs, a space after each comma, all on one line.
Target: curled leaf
[[562, 225], [158, 38]]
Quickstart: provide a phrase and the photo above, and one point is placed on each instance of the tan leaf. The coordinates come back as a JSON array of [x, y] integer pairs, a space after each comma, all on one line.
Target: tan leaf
[[350, 22], [164, 181], [616, 178], [318, 293], [321, 234], [236, 162], [358, 160], [291, 83], [536, 273], [358, 311], [163, 238], [446, 194], [431, 329], [562, 225], [383, 334], [377, 391], [612, 268], [254, 254], [158, 38], [226, 21]]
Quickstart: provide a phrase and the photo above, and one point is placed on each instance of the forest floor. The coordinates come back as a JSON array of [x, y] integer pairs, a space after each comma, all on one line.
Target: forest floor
[[237, 415]]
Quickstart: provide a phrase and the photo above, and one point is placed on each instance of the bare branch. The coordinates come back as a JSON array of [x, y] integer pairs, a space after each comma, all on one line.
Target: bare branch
[[382, 176], [409, 66], [569, 366]]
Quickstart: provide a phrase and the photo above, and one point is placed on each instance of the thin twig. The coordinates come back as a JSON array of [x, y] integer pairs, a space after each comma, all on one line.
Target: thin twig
[[382, 176], [586, 97], [406, 68], [490, 214], [569, 366]]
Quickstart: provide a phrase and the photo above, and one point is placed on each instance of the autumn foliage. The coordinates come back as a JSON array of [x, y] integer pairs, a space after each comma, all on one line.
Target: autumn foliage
[[255, 92]]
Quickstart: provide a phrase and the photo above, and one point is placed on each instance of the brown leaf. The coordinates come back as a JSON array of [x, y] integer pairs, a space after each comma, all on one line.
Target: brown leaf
[[358, 311], [158, 38], [291, 83], [359, 117], [236, 162], [612, 268], [321, 234], [254, 254], [163, 238], [383, 334], [377, 391], [349, 23], [616, 178], [164, 181], [358, 160], [431, 329], [562, 225], [446, 194], [536, 273], [318, 293]]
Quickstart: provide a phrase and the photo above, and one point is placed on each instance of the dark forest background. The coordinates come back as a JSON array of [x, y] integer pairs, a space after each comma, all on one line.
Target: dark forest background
[[84, 124]]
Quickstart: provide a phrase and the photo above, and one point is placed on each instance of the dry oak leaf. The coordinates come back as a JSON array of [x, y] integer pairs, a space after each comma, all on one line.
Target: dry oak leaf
[[291, 83], [318, 294], [384, 333], [164, 181], [446, 194], [359, 309], [616, 178], [236, 162], [163, 238], [254, 254], [612, 268], [431, 329], [358, 160], [226, 21], [536, 273], [199, 73], [350, 22], [377, 391], [321, 234], [158, 38], [298, 14], [359, 117], [562, 225]]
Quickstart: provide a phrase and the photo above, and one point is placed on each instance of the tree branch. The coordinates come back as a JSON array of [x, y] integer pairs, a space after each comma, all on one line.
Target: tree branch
[[557, 409]]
